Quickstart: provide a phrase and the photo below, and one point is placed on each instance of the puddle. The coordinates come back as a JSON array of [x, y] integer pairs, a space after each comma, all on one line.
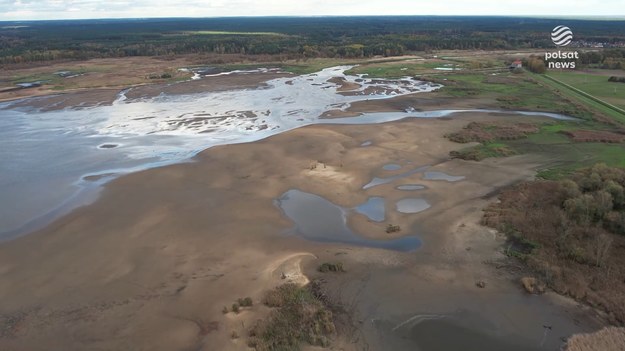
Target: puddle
[[413, 205], [391, 167], [366, 143], [410, 187], [318, 219], [374, 209], [442, 176], [380, 181]]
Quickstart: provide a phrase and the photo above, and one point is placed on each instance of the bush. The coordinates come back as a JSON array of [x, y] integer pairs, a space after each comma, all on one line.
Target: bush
[[615, 79], [392, 228], [246, 302], [235, 308], [331, 267], [299, 316]]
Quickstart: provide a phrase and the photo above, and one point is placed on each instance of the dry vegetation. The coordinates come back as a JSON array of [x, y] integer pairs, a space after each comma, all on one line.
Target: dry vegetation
[[336, 267], [571, 234], [299, 315], [591, 136], [607, 339], [490, 135], [482, 132]]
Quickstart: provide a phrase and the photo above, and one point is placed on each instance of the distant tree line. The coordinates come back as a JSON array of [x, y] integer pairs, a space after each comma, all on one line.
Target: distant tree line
[[334, 37], [613, 58]]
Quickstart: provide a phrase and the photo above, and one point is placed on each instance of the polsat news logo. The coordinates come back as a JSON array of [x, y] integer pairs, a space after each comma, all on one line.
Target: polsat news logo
[[561, 36]]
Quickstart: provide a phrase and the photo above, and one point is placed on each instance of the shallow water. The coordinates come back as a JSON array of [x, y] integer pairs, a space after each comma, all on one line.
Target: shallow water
[[508, 319], [374, 209], [318, 219], [412, 205], [442, 176], [43, 155], [380, 181], [391, 167], [470, 331], [410, 187]]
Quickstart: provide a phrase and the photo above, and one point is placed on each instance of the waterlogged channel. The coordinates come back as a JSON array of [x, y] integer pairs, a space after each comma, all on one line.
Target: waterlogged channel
[[47, 158]]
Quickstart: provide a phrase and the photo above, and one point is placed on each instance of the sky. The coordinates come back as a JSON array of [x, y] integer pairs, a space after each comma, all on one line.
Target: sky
[[79, 9]]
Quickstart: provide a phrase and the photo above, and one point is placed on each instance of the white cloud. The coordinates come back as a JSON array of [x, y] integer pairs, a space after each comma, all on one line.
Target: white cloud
[[61, 9]]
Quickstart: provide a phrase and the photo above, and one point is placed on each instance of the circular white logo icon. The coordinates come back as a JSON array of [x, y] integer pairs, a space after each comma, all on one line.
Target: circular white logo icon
[[561, 35]]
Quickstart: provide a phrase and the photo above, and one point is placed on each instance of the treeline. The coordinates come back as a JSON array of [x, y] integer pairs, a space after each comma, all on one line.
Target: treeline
[[607, 59], [613, 58], [340, 37]]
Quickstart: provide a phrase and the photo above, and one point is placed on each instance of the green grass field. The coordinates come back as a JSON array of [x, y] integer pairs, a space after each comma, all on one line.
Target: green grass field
[[534, 92], [575, 96], [596, 85]]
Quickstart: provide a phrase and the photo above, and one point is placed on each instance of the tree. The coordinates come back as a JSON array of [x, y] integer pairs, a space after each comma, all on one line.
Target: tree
[[536, 65], [601, 248]]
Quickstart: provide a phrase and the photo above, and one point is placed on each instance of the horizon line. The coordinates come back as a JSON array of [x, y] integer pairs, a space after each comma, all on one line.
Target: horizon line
[[570, 17]]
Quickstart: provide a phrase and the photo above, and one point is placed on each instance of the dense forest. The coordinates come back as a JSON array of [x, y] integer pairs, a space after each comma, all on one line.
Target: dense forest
[[343, 37]]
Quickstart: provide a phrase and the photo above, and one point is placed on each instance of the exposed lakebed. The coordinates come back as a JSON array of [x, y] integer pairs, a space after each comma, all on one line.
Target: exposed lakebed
[[45, 154]]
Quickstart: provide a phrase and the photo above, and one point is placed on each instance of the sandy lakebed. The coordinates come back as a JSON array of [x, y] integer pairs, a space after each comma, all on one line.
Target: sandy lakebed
[[150, 261]]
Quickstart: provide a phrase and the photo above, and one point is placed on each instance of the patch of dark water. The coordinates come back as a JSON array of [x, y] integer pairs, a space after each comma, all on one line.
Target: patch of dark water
[[318, 219]]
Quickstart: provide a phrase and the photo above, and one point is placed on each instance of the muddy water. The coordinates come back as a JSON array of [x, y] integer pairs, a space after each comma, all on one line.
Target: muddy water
[[318, 219], [463, 330], [402, 313]]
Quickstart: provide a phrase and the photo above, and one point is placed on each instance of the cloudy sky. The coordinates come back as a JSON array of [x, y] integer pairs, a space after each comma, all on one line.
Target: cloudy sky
[[65, 9]]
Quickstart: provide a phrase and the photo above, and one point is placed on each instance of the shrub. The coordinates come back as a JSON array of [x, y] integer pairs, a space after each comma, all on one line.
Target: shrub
[[615, 79], [245, 302], [392, 228], [331, 267], [235, 308], [298, 317]]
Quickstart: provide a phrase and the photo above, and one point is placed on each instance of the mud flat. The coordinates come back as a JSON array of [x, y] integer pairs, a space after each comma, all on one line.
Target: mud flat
[[154, 260]]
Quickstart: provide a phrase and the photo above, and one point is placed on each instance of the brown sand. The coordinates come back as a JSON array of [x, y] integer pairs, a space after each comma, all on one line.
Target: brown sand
[[152, 263]]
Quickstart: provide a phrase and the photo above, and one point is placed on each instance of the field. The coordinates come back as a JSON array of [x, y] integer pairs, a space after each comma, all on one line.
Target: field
[[496, 86], [594, 84]]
